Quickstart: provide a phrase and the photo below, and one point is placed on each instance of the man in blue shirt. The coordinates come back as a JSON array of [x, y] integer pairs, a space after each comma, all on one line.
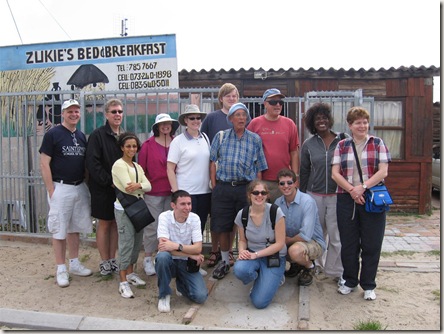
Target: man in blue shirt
[[304, 237], [240, 160]]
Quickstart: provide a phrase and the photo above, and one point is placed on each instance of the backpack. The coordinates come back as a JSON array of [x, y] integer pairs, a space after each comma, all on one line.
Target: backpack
[[246, 211]]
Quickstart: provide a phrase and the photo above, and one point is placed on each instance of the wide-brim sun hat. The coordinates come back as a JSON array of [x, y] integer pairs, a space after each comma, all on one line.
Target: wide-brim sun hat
[[235, 107], [161, 118], [191, 109]]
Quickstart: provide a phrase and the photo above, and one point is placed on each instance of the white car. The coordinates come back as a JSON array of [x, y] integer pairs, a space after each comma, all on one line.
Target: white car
[[436, 169]]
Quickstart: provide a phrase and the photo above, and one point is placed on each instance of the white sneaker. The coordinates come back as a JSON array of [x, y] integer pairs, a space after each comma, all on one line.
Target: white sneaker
[[282, 280], [341, 281], [62, 279], [125, 290], [164, 304], [344, 290], [202, 272], [134, 279], [369, 295], [148, 265], [79, 269]]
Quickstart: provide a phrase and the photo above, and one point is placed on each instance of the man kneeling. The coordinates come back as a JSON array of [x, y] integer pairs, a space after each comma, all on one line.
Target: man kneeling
[[180, 252]]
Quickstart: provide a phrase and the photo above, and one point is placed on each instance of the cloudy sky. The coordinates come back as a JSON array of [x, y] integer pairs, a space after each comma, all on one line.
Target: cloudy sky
[[246, 33]]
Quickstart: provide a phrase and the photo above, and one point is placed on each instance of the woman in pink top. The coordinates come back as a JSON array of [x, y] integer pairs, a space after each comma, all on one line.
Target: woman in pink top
[[153, 159]]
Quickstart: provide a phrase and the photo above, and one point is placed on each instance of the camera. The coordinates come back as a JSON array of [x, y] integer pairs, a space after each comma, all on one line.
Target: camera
[[273, 260], [192, 266]]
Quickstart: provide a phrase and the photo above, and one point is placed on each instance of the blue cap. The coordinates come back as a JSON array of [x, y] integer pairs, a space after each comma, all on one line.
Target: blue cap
[[236, 107], [272, 92]]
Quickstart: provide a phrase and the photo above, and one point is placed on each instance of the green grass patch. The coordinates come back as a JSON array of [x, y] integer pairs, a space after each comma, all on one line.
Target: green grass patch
[[371, 325], [393, 290], [435, 252], [398, 252], [84, 258], [102, 278], [437, 294]]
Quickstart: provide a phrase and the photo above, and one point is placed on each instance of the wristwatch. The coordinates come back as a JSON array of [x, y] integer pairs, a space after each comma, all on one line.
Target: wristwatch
[[364, 186], [180, 248]]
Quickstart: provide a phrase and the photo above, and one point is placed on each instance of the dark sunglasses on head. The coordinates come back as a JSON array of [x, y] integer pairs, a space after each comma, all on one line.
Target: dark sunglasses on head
[[256, 192], [282, 183], [116, 111], [275, 102], [194, 118]]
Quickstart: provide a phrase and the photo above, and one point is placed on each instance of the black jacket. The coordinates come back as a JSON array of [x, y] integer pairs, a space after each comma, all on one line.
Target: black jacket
[[101, 153]]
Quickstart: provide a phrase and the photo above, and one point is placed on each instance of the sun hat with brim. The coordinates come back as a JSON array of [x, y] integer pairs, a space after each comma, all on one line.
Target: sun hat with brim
[[189, 110], [235, 107], [161, 118], [69, 103], [271, 93]]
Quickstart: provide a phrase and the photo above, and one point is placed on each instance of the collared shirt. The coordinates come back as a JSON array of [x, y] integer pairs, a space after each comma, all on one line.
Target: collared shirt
[[374, 152], [239, 159], [302, 218], [182, 233]]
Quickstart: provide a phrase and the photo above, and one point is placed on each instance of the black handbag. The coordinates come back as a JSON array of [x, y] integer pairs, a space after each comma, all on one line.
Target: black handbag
[[135, 208], [377, 198]]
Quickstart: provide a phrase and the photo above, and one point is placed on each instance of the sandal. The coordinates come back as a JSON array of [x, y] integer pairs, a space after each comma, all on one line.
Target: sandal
[[231, 257], [214, 258]]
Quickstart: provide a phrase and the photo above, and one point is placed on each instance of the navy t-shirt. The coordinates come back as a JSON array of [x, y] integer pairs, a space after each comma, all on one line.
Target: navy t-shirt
[[67, 152]]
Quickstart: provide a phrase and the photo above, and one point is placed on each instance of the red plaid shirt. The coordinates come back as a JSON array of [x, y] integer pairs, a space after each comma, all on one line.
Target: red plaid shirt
[[374, 153]]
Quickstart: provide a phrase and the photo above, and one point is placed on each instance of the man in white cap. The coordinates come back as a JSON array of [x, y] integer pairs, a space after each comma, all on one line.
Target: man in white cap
[[62, 162], [240, 159], [280, 139]]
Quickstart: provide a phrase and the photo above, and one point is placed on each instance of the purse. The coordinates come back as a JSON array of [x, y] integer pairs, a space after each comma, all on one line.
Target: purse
[[377, 198], [135, 208]]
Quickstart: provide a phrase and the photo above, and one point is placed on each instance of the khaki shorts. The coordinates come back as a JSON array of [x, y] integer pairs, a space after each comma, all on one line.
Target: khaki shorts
[[69, 210], [312, 249]]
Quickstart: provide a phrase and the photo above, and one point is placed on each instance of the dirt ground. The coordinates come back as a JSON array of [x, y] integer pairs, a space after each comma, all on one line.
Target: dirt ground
[[405, 300]]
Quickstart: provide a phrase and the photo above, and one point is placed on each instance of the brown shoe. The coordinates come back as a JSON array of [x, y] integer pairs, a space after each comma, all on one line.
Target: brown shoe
[[214, 258], [231, 258]]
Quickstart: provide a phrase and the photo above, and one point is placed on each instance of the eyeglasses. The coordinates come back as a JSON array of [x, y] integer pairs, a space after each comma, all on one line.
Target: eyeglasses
[[282, 183], [256, 193], [194, 118], [275, 102], [74, 139], [130, 146], [116, 111]]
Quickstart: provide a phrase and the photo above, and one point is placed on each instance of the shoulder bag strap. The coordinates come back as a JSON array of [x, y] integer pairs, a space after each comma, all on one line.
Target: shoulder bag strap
[[357, 161]]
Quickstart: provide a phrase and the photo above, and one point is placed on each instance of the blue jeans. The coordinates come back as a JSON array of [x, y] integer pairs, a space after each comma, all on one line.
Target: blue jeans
[[191, 285], [266, 280]]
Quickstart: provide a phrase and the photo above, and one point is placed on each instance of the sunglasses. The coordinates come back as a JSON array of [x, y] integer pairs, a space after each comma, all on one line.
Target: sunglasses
[[116, 111], [282, 183], [130, 146], [256, 193], [275, 102], [194, 118]]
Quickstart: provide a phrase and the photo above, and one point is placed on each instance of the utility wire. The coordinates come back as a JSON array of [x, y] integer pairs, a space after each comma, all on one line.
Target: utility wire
[[13, 18], [55, 19]]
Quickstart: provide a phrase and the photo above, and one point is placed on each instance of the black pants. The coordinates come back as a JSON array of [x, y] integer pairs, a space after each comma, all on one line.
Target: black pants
[[362, 234]]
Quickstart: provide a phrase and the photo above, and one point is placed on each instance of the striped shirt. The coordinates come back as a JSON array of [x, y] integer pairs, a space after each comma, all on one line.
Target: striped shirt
[[182, 233], [374, 153], [239, 159]]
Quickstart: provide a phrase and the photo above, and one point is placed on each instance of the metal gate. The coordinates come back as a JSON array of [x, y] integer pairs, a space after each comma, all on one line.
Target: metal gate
[[25, 118]]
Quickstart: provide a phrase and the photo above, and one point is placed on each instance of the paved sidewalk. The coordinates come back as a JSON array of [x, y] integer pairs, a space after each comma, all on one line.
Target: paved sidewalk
[[403, 233]]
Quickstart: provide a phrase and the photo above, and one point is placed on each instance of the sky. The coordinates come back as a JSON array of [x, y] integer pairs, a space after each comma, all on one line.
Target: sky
[[246, 33]]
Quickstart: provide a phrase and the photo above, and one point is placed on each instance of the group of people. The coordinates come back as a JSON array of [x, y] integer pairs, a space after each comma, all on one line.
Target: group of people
[[246, 177]]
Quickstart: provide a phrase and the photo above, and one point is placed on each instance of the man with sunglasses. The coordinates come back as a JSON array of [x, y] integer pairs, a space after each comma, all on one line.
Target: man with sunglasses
[[101, 154], [280, 139], [62, 163], [304, 237]]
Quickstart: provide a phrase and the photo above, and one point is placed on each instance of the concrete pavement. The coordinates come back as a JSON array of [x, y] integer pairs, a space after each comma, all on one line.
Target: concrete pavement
[[403, 233]]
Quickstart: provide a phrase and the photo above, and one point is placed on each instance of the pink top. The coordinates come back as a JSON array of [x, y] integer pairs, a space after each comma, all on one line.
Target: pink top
[[153, 159]]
